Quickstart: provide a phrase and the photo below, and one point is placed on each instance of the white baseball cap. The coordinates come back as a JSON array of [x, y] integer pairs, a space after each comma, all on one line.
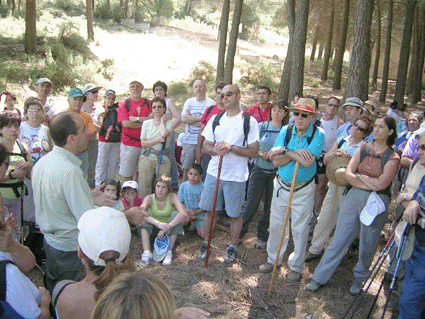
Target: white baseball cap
[[103, 229], [131, 184]]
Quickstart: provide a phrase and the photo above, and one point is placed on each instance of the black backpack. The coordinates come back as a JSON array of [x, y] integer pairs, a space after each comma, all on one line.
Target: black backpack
[[246, 117], [289, 133], [110, 129], [145, 102]]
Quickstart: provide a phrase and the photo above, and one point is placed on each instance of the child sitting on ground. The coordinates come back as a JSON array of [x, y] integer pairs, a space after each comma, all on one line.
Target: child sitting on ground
[[131, 198], [190, 195], [113, 187], [166, 214]]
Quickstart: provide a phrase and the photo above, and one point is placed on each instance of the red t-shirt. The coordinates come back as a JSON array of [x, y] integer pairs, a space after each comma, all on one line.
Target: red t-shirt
[[258, 113], [101, 138], [131, 136], [214, 111]]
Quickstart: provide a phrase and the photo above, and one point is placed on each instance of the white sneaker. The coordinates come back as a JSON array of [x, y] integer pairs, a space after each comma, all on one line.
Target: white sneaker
[[167, 259], [146, 259]]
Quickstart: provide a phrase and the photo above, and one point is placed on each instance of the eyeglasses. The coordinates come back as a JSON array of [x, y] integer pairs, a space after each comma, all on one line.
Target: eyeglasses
[[333, 105], [302, 114], [94, 92], [228, 93], [361, 129], [33, 110], [421, 147]]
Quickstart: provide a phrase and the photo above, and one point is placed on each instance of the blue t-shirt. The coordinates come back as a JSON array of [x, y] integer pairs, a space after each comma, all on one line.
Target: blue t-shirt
[[286, 172], [268, 135], [344, 130], [420, 197], [190, 196]]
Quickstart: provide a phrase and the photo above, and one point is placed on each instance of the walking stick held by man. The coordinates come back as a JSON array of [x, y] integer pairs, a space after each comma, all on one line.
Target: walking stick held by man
[[285, 222], [213, 209]]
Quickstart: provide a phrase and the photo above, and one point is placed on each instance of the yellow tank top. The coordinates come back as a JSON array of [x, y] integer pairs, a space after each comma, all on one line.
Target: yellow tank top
[[162, 215], [8, 192]]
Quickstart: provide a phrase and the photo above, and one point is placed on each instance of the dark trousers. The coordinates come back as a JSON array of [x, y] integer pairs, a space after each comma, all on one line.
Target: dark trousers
[[61, 265], [259, 181]]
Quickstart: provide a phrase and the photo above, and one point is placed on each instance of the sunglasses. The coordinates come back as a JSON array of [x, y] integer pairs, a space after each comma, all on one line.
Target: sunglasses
[[33, 110], [361, 129], [228, 93], [302, 114], [421, 147]]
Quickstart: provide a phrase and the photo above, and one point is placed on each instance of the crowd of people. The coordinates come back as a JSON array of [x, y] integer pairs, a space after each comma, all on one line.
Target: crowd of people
[[59, 167]]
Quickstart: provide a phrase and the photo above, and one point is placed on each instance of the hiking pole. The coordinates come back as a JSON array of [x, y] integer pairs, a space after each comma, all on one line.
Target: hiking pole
[[285, 222], [388, 245], [160, 158], [397, 267], [22, 212], [220, 163]]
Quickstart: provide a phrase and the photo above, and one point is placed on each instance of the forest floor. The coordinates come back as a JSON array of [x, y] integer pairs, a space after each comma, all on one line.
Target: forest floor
[[238, 290]]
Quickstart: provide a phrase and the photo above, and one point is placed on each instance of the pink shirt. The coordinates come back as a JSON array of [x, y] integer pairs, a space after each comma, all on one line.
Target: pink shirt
[[137, 202], [258, 113]]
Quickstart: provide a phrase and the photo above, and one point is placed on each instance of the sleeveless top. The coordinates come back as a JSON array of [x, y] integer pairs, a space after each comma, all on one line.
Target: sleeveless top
[[331, 130], [8, 192], [162, 215]]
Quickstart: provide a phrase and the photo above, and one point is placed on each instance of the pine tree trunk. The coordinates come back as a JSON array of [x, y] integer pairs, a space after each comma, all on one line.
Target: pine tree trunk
[[417, 88], [233, 39], [286, 72], [298, 53], [125, 9], [30, 27], [224, 22], [405, 51], [89, 9], [320, 52], [386, 66], [414, 64], [339, 59], [137, 17], [378, 46], [314, 45], [328, 46]]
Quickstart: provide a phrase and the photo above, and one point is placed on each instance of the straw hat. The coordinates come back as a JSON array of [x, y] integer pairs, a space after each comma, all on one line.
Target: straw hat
[[335, 170]]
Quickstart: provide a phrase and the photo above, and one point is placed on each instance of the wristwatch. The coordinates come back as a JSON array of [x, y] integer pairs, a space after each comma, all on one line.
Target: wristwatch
[[10, 174], [231, 148], [285, 149], [260, 153], [137, 119]]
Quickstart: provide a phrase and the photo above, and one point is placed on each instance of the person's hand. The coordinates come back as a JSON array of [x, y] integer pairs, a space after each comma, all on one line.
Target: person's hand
[[198, 157], [23, 165], [222, 148], [266, 156], [132, 118], [342, 153], [164, 117], [6, 229], [400, 198], [45, 296], [412, 211], [19, 173], [100, 198], [192, 214], [150, 116], [161, 234], [275, 151], [305, 154], [136, 216], [191, 313]]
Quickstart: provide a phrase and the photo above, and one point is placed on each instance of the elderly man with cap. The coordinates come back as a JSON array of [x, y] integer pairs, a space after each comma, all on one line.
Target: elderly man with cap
[[302, 143], [43, 88], [132, 112], [353, 107]]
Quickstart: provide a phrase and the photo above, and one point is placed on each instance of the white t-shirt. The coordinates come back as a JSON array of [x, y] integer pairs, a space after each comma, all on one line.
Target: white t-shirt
[[21, 294], [36, 139], [230, 130], [196, 108]]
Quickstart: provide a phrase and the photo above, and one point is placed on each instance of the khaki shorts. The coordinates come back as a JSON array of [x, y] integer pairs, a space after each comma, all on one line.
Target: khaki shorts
[[188, 155], [129, 160]]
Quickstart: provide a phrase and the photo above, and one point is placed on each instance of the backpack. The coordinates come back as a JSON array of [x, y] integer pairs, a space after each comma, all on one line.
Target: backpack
[[110, 129], [209, 110], [6, 311], [384, 159], [265, 130], [145, 102], [246, 117]]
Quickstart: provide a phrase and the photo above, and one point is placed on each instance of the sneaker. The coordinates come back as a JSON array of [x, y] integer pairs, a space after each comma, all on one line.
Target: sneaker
[[310, 256], [146, 259], [293, 276], [167, 259], [230, 256], [313, 285], [356, 287], [261, 244], [203, 253], [266, 268]]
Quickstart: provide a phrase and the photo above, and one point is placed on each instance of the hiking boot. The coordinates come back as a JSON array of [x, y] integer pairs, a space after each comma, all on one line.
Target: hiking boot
[[313, 286], [203, 253], [146, 259], [293, 276], [230, 256], [356, 287], [267, 268], [310, 256], [168, 258], [261, 244]]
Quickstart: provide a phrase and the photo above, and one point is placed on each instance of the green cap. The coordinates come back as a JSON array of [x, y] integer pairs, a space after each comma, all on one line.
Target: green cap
[[75, 93]]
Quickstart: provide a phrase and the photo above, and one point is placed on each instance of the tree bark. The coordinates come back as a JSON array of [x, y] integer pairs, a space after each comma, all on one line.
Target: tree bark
[[286, 72], [89, 9], [417, 90], [30, 27], [125, 13], [414, 63], [314, 45], [378, 46], [386, 66], [298, 54], [328, 46], [358, 72], [405, 51], [339, 59], [137, 17], [233, 39], [224, 22], [320, 52]]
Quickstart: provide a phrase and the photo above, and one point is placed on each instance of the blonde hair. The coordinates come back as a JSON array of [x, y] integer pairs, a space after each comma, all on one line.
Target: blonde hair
[[137, 295]]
